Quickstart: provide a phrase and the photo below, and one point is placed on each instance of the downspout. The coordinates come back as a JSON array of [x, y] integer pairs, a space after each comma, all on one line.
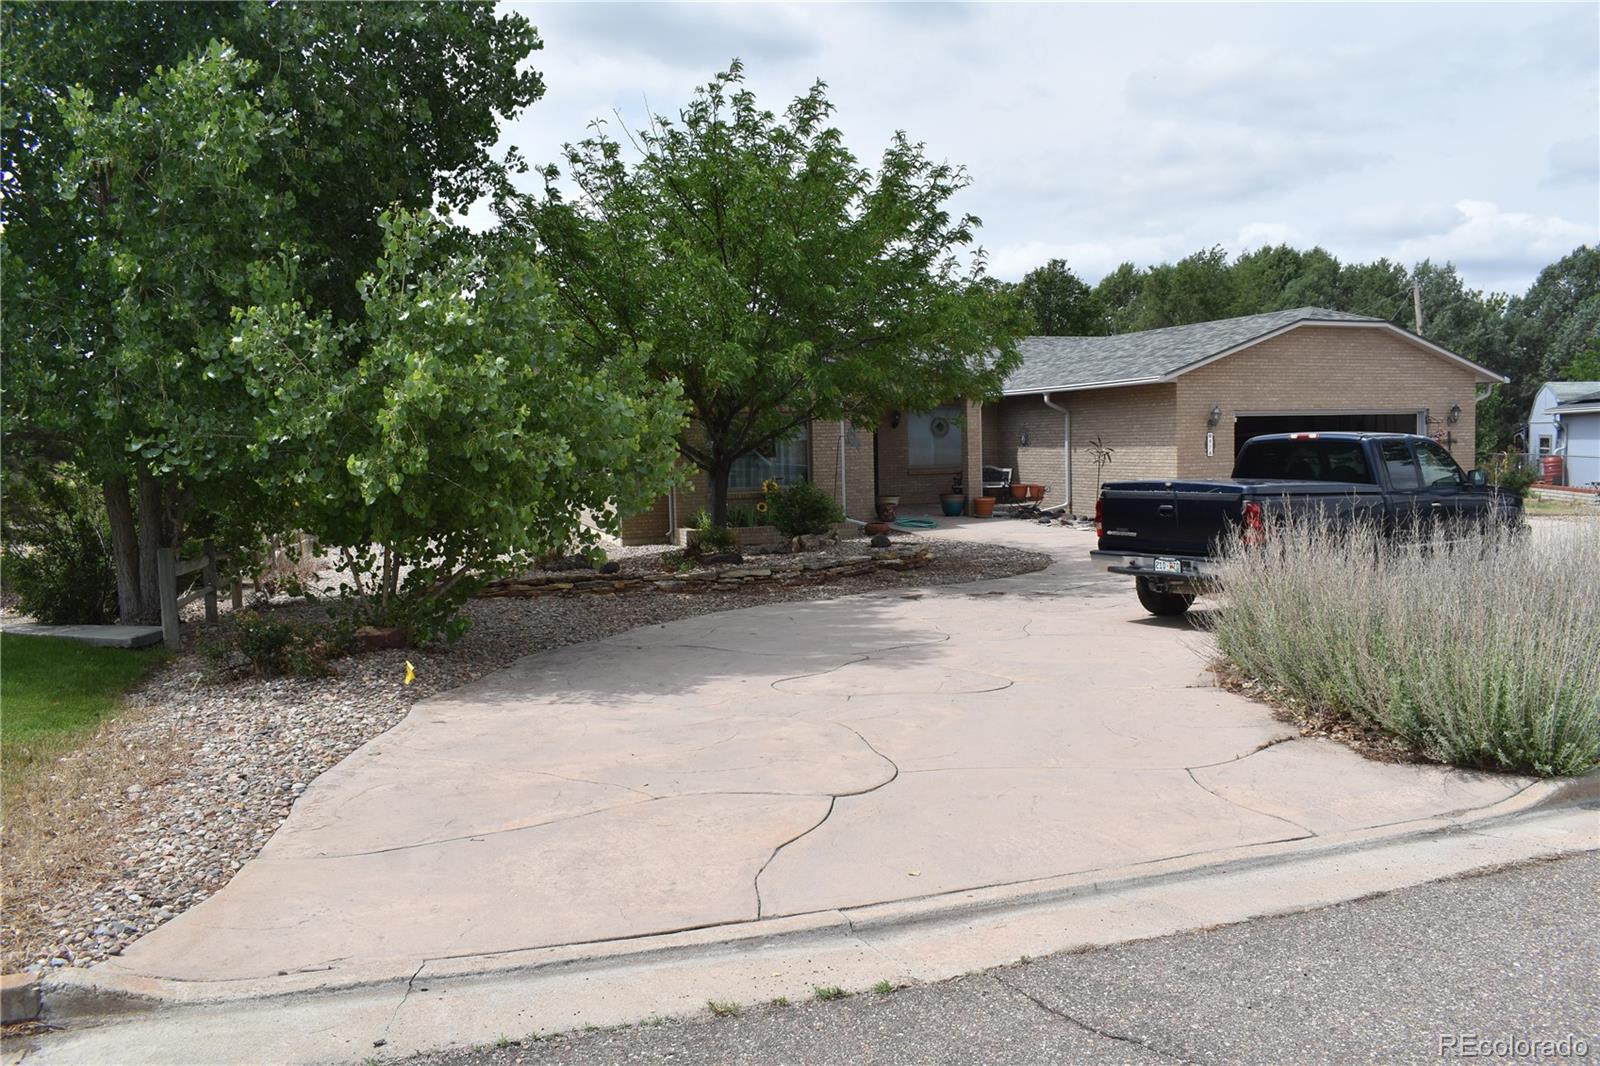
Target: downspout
[[844, 497], [672, 513], [1066, 451]]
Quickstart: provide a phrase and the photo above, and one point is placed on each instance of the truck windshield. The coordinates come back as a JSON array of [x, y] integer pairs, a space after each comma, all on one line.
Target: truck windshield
[[1308, 459]]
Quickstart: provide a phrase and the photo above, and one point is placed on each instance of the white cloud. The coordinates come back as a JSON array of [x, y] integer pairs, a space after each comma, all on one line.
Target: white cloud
[[1255, 235], [1106, 133], [1488, 242]]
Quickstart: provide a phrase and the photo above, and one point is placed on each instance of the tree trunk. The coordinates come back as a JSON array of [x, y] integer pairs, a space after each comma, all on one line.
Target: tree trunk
[[124, 549], [717, 481], [152, 537]]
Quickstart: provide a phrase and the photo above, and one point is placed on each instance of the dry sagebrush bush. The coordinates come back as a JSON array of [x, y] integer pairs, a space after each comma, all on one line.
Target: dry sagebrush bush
[[1483, 652]]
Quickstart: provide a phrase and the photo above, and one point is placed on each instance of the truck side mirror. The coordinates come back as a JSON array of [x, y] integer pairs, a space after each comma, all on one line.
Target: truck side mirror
[[1477, 479]]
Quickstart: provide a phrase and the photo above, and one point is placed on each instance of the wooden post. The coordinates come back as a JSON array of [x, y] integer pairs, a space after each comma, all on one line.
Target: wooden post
[[167, 592], [238, 594], [208, 574]]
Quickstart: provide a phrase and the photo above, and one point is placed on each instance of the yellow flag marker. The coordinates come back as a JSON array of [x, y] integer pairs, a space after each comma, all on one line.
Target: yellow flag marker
[[411, 672]]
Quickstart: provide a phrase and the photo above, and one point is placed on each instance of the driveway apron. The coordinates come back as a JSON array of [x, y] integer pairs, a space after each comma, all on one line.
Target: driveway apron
[[784, 760]]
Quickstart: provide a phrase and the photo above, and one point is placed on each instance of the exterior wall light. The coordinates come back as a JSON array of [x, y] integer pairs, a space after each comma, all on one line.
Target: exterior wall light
[[1455, 414], [1215, 416], [1023, 439]]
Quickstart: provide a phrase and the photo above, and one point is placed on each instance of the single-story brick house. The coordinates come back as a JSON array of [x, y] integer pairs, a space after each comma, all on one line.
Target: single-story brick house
[[1169, 403]]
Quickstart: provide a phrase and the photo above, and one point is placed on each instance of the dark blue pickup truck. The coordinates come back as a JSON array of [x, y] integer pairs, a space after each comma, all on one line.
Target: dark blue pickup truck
[[1165, 533]]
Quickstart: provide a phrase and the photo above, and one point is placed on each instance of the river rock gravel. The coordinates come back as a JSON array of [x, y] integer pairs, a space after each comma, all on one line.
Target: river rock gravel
[[167, 801]]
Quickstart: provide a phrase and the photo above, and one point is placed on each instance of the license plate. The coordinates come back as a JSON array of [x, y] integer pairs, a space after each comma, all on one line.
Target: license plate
[[1169, 566]]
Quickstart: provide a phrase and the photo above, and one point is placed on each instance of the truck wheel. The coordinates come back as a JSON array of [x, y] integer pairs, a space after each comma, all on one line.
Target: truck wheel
[[1165, 604]]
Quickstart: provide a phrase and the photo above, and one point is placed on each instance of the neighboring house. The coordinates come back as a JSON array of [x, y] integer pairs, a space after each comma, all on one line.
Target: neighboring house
[[1168, 403], [1565, 421]]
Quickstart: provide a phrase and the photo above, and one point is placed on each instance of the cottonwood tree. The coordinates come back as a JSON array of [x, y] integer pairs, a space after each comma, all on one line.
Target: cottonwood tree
[[164, 163], [1059, 302], [753, 259]]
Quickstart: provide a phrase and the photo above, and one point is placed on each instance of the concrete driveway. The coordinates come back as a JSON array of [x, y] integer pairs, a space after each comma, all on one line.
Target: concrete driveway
[[782, 761]]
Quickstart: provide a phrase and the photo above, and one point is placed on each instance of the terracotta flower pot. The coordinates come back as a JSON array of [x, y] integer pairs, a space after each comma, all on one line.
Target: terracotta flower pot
[[983, 506], [1019, 491], [1035, 492], [872, 529]]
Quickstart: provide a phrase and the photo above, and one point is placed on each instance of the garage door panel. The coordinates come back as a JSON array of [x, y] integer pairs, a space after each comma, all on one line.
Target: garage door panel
[[1247, 426]]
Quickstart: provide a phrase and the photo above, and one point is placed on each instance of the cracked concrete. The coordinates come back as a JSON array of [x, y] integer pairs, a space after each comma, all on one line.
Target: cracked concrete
[[783, 761]]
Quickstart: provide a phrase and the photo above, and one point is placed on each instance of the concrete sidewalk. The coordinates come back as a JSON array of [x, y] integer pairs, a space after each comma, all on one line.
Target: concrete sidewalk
[[791, 770]]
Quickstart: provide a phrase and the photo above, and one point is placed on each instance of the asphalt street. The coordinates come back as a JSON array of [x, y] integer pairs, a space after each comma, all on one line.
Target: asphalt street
[[1411, 976]]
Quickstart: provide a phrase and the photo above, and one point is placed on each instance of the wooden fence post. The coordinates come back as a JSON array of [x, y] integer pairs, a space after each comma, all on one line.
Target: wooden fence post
[[238, 594], [167, 579], [208, 574]]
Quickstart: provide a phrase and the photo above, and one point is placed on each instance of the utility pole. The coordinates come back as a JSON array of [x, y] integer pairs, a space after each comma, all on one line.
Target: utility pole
[[1416, 303]]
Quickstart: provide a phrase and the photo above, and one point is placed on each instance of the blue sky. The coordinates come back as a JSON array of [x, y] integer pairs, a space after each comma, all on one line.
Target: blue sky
[[1101, 133]]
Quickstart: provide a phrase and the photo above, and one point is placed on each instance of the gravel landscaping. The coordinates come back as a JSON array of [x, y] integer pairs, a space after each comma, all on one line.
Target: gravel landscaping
[[167, 801]]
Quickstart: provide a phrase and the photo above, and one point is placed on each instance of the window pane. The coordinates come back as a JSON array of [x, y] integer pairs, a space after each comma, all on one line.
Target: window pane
[[1347, 461], [933, 439], [1401, 466], [788, 462], [1438, 466]]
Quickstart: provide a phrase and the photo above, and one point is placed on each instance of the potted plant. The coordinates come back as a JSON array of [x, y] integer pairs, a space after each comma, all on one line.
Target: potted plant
[[952, 503], [888, 508], [983, 506]]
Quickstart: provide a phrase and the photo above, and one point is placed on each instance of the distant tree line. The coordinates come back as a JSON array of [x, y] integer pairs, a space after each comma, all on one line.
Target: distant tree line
[[1551, 332]]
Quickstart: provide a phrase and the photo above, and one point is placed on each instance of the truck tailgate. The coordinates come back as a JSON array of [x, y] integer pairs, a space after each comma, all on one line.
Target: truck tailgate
[[1166, 517]]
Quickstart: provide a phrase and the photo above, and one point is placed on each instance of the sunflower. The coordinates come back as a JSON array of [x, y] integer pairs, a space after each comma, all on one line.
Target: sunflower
[[769, 486], [761, 506]]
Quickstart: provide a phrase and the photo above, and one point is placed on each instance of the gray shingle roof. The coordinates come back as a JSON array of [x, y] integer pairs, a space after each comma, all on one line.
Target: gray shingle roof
[[1575, 391], [1073, 362]]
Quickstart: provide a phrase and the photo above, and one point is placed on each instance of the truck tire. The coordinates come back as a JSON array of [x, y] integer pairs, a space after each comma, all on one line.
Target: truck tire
[[1164, 604]]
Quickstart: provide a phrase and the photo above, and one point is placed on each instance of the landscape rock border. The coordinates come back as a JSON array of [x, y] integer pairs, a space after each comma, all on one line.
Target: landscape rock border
[[813, 569]]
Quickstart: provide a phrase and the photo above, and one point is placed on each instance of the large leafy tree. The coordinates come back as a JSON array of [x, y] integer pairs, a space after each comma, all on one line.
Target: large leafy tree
[[1059, 303], [752, 258], [163, 163], [464, 438]]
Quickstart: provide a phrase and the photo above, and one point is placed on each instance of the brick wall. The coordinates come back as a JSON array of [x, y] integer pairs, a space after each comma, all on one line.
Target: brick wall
[[651, 526], [916, 488], [860, 492], [1333, 369]]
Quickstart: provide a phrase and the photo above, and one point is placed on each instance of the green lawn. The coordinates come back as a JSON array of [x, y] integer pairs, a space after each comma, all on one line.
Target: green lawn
[[54, 692]]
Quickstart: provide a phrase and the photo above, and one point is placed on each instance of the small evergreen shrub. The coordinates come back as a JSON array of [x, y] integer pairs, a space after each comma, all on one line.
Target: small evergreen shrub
[[802, 509], [254, 643]]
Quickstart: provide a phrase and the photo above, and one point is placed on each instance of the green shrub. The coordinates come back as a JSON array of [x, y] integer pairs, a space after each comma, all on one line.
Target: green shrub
[[1510, 472], [745, 517], [1484, 653], [709, 539], [802, 508], [58, 549], [255, 643]]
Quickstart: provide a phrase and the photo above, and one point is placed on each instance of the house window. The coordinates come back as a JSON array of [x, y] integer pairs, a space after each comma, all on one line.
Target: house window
[[786, 462], [1544, 446], [933, 439]]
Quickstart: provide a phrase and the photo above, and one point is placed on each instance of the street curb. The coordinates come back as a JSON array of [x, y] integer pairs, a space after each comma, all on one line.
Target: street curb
[[1574, 791], [103, 994]]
